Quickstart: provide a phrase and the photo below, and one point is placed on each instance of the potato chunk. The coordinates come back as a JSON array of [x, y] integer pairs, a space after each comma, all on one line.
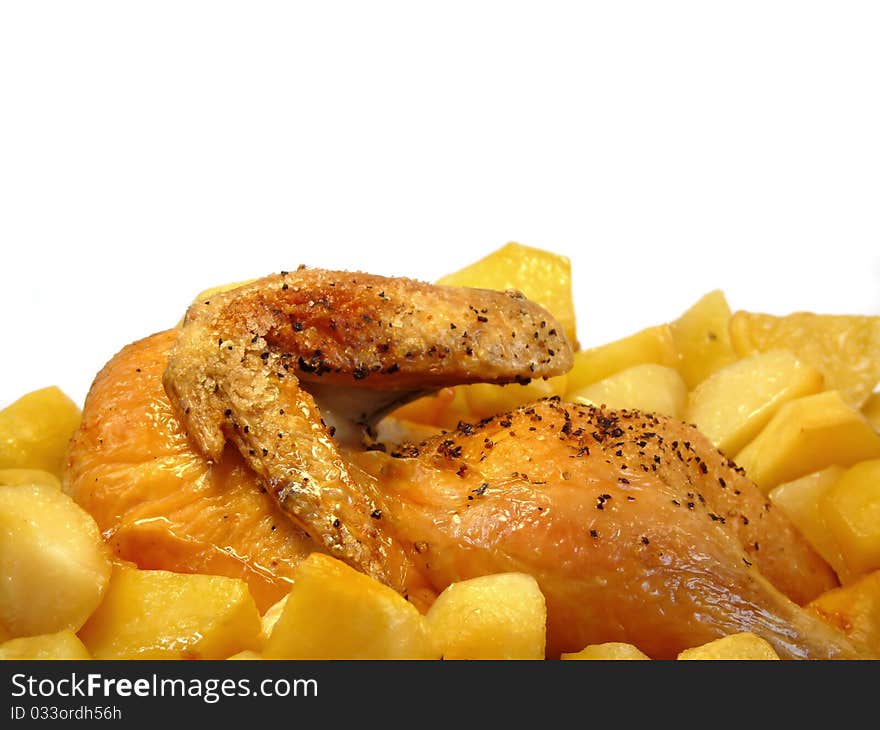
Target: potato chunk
[[35, 429], [54, 565], [871, 410], [156, 614], [733, 404], [335, 612], [702, 338], [807, 435], [649, 387], [247, 655], [614, 650], [854, 609], [845, 349], [651, 345], [486, 399], [801, 500], [270, 618], [852, 510], [61, 645], [745, 645], [500, 616], [544, 277], [28, 477]]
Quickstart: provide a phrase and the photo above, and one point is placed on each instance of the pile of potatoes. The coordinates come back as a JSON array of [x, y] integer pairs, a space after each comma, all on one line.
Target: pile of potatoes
[[790, 399]]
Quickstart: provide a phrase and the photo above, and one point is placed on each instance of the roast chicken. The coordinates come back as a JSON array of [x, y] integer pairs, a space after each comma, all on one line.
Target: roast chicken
[[243, 440]]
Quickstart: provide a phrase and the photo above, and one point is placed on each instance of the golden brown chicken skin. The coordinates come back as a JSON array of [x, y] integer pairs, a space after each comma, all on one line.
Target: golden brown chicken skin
[[156, 498], [634, 526], [247, 364]]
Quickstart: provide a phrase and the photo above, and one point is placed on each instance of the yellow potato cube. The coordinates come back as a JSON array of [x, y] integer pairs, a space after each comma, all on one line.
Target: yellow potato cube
[[470, 403], [335, 612], [500, 616], [845, 349], [801, 501], [807, 435], [246, 655], [28, 477], [745, 645], [544, 277], [443, 409], [61, 645], [270, 618], [871, 410], [614, 650], [485, 399], [852, 510], [854, 609], [733, 404], [155, 614], [649, 387], [702, 338], [651, 345], [54, 565], [35, 430]]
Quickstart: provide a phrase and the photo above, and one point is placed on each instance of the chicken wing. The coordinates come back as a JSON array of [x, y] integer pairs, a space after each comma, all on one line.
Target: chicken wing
[[248, 363]]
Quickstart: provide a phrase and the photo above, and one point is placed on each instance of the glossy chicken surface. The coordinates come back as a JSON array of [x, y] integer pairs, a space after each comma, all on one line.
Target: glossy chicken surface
[[636, 529], [158, 501]]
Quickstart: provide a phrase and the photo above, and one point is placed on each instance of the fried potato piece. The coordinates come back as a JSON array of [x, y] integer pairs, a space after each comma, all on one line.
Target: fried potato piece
[[613, 650], [270, 618], [35, 429], [335, 612], [854, 609], [544, 277], [54, 566], [806, 435], [60, 645], [498, 616], [801, 500], [745, 645], [650, 345], [246, 655], [734, 403], [28, 477], [702, 338], [651, 388], [156, 614], [852, 511], [845, 349], [871, 410], [470, 403]]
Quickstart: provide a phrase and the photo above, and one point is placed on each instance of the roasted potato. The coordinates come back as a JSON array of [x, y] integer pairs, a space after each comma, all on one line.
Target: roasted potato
[[156, 614], [54, 565], [501, 616], [35, 430]]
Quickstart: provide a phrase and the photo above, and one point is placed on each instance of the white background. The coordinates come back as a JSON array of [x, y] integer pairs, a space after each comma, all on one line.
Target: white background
[[149, 150]]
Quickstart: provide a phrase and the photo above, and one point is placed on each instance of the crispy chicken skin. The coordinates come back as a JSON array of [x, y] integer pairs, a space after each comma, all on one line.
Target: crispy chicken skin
[[635, 527]]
